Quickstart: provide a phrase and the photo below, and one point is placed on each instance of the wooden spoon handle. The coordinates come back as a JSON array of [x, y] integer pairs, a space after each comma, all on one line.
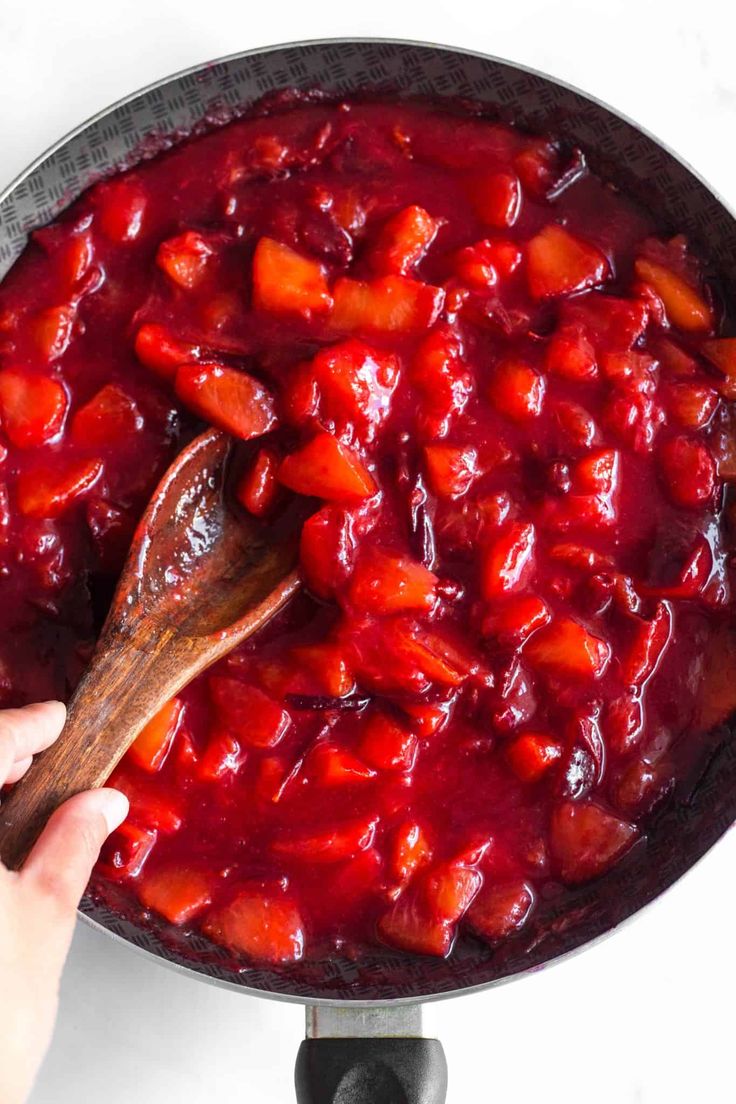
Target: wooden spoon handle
[[116, 694]]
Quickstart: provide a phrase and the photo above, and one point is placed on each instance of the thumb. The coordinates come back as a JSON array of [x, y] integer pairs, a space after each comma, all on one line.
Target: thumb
[[58, 868]]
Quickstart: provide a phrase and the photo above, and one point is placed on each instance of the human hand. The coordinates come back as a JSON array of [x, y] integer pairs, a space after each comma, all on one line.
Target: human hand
[[38, 904]]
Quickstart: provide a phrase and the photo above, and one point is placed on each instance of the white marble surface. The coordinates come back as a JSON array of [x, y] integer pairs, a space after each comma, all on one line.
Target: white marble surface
[[645, 1016]]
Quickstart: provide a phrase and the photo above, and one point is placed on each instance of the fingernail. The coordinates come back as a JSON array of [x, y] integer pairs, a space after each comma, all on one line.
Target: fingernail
[[114, 807]]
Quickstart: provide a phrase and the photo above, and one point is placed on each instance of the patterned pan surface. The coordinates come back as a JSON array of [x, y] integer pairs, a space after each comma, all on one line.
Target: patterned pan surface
[[700, 811]]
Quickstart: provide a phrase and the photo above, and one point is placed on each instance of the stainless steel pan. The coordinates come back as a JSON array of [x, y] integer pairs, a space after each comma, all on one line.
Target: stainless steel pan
[[364, 1019]]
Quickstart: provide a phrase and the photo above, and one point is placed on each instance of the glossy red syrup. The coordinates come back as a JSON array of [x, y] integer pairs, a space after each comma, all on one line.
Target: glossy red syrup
[[508, 401]]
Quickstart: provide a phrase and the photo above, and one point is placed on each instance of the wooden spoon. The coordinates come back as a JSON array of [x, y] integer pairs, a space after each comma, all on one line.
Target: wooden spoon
[[198, 580]]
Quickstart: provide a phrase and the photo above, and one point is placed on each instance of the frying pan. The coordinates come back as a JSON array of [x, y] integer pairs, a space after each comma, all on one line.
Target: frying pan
[[364, 1018]]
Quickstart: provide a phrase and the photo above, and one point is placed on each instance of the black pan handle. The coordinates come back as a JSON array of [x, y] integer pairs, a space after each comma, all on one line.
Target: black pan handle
[[371, 1071]]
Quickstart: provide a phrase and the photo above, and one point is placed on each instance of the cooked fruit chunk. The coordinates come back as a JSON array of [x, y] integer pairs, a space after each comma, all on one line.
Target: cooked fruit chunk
[[586, 840], [45, 492], [409, 850], [222, 757], [327, 549], [685, 307], [516, 391], [229, 399], [496, 198], [126, 850], [353, 385], [530, 756], [325, 468], [403, 241], [386, 743], [383, 583], [450, 469], [500, 909], [153, 743], [508, 562], [327, 664], [571, 356], [388, 304], [441, 378], [258, 489], [649, 640], [184, 259], [558, 263], [514, 621], [160, 351], [689, 471], [177, 892], [722, 352], [263, 924], [32, 408], [424, 918], [121, 205], [333, 844], [52, 331], [108, 417], [330, 765], [250, 713], [566, 648], [689, 403], [285, 282]]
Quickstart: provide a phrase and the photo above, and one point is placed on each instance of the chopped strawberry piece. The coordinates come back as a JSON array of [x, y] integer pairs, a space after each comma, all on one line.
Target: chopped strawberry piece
[[249, 712], [44, 492], [442, 380], [425, 916], [110, 416], [586, 840], [126, 850], [285, 282], [689, 471], [689, 403], [496, 198], [387, 744], [177, 892], [330, 765], [623, 722], [500, 909], [611, 323], [328, 666], [264, 925], [325, 468], [598, 472], [223, 757], [565, 648], [52, 331], [514, 621], [404, 240], [75, 258], [517, 391], [480, 265], [508, 562], [649, 640], [581, 558], [153, 743], [382, 584], [450, 469], [633, 418], [257, 490], [387, 304], [409, 850], [159, 350], [536, 166], [354, 384], [559, 263], [722, 352], [121, 206], [577, 425], [530, 756], [428, 718], [333, 844], [685, 307], [571, 356], [360, 878], [33, 408], [327, 550], [229, 399], [184, 259]]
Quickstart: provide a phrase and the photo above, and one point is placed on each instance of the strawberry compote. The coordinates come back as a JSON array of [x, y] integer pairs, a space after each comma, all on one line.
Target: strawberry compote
[[506, 402]]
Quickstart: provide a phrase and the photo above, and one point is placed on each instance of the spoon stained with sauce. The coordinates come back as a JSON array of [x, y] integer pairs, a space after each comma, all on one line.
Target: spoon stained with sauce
[[198, 580]]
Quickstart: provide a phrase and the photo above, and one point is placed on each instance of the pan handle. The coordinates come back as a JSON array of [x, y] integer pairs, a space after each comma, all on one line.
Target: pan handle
[[369, 1056]]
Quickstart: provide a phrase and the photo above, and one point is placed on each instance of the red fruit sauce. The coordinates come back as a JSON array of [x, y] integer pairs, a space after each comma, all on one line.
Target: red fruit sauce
[[509, 401]]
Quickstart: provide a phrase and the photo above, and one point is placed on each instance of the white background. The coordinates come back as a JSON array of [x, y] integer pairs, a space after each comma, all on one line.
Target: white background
[[644, 1018]]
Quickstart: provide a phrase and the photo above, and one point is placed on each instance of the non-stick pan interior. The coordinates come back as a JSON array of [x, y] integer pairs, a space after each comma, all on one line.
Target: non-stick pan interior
[[701, 809]]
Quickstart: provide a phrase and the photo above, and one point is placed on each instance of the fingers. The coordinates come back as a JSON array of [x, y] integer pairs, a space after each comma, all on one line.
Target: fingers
[[24, 732], [60, 864], [18, 769]]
